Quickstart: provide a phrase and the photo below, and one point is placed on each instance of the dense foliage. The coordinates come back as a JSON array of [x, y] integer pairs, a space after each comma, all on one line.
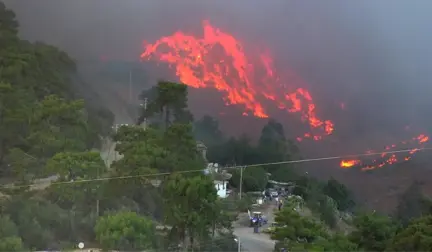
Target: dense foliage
[[38, 113], [48, 132], [371, 232]]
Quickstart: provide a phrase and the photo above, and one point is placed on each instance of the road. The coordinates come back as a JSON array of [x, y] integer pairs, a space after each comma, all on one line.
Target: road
[[254, 242], [249, 240]]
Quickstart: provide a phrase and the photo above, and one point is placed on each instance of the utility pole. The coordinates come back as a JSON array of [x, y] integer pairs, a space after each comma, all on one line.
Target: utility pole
[[130, 86], [241, 180], [97, 193], [238, 244], [116, 127], [145, 111]]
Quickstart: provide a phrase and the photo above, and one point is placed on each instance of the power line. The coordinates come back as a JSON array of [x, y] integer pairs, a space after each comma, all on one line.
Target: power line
[[225, 168], [341, 157]]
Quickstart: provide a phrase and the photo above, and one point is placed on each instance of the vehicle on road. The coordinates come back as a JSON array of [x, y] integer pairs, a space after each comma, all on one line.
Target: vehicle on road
[[273, 193], [257, 218]]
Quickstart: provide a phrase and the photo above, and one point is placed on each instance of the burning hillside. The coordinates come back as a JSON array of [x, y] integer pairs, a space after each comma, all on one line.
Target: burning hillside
[[218, 60], [391, 154]]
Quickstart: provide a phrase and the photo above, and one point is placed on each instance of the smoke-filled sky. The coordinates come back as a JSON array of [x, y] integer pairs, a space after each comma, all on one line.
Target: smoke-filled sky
[[375, 56]]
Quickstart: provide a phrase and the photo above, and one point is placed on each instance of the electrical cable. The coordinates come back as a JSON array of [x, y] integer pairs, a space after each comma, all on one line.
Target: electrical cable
[[225, 168]]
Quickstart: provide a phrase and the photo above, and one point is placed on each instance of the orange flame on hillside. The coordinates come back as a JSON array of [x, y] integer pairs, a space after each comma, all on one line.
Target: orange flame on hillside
[[349, 163], [218, 60], [390, 157]]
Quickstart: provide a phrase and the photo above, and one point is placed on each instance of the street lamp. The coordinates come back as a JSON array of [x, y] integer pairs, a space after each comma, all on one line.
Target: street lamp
[[238, 244]]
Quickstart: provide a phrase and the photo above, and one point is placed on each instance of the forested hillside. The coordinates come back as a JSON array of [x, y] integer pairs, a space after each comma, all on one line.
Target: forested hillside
[[156, 197], [47, 130], [40, 111]]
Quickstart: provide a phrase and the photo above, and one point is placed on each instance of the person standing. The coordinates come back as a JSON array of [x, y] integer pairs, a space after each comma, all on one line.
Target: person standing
[[256, 226]]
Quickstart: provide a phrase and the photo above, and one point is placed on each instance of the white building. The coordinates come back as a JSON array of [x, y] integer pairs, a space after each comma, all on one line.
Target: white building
[[220, 179], [221, 187]]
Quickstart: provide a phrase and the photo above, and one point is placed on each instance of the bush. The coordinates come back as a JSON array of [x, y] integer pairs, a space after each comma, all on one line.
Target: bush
[[11, 244]]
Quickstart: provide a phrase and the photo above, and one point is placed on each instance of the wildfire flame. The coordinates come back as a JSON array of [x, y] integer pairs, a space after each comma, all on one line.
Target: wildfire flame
[[387, 158], [218, 60], [349, 163]]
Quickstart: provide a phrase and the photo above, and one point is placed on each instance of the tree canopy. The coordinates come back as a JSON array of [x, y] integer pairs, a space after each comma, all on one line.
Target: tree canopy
[[415, 237], [125, 231], [48, 116], [373, 231]]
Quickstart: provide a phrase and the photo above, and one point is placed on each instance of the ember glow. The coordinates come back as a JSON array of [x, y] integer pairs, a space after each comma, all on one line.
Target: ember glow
[[218, 60], [389, 158]]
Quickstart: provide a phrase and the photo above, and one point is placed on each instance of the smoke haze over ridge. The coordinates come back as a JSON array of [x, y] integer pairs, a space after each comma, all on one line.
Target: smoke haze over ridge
[[373, 56]]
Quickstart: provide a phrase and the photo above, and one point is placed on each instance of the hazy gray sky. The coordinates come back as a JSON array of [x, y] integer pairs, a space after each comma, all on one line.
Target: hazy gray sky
[[375, 53]]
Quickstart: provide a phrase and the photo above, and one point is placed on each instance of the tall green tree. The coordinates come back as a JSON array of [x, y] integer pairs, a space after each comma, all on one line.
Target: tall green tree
[[13, 117], [190, 208], [125, 231], [373, 231], [32, 216], [140, 154], [57, 124], [169, 100], [339, 193], [254, 179], [75, 165], [417, 236], [8, 20], [207, 130], [235, 151], [141, 150], [327, 210], [74, 192], [22, 166], [9, 25], [309, 188], [273, 146], [295, 232], [181, 149]]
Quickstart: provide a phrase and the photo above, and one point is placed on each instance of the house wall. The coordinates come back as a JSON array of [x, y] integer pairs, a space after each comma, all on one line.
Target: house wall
[[221, 187]]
